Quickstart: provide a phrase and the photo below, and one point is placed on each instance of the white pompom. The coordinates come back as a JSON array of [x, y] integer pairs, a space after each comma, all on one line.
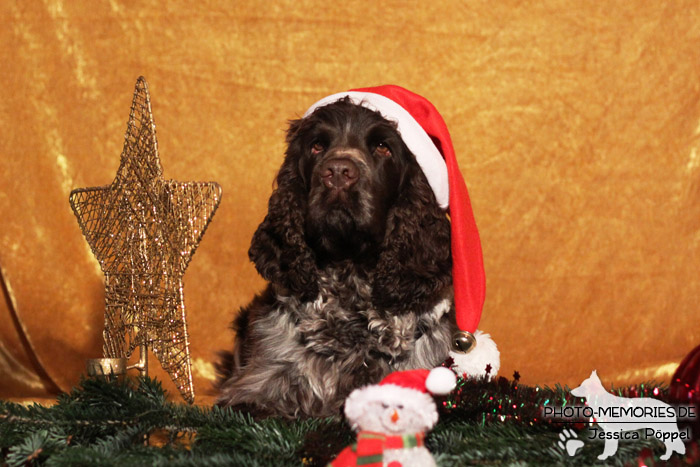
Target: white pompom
[[474, 363], [440, 381]]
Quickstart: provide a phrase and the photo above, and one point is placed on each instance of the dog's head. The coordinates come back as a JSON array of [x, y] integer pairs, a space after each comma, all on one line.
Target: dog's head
[[353, 163], [590, 387], [350, 190]]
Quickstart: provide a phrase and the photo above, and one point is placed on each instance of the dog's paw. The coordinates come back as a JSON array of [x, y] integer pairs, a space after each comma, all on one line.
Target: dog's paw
[[395, 335], [569, 442]]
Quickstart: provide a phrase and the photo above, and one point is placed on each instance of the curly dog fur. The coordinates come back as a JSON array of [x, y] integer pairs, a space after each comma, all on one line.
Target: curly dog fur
[[357, 254]]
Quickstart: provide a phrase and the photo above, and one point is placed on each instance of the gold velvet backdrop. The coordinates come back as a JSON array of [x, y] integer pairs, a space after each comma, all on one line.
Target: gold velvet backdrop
[[576, 125]]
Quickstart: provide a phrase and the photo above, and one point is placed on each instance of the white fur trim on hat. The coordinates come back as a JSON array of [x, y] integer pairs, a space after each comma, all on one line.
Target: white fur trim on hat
[[440, 381], [417, 140], [484, 353]]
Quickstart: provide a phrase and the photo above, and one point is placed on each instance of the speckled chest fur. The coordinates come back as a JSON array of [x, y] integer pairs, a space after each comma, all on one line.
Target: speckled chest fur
[[304, 358]]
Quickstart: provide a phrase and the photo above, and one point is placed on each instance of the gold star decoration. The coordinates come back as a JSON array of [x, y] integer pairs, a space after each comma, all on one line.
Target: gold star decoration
[[144, 230]]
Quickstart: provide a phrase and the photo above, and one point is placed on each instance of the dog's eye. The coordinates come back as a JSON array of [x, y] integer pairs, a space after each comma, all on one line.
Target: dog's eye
[[383, 150], [317, 148]]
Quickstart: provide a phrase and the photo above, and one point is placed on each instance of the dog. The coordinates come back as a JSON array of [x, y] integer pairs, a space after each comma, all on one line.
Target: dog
[[356, 251], [616, 415]]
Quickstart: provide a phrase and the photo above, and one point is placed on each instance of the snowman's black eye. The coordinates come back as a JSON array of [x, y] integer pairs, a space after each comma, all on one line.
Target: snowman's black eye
[[400, 406], [385, 406]]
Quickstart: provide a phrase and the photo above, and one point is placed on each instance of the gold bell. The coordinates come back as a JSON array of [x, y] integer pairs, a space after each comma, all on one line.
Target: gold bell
[[463, 341]]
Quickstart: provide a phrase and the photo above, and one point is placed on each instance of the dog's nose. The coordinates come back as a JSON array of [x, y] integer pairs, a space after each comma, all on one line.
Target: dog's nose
[[339, 173]]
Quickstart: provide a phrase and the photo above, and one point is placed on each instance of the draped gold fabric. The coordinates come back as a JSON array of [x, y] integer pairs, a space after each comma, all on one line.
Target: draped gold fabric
[[576, 125]]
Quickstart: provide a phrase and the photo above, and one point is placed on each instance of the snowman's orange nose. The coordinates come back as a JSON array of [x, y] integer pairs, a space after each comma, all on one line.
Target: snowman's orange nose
[[395, 417]]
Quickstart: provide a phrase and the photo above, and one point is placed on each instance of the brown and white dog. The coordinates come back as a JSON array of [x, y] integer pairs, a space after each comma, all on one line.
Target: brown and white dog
[[356, 250]]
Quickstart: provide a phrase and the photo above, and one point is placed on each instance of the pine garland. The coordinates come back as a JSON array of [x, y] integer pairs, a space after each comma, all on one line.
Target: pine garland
[[131, 422]]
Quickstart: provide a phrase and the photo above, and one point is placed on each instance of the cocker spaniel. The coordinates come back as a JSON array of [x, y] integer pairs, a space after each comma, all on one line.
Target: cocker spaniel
[[357, 253]]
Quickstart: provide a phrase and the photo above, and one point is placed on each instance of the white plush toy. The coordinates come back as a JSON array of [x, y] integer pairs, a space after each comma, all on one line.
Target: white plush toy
[[392, 418]]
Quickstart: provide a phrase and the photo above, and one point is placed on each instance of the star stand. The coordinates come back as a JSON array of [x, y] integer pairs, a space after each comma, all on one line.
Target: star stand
[[143, 231]]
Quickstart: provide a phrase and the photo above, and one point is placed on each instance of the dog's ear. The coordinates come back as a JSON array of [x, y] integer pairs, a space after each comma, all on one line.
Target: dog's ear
[[279, 250], [415, 263]]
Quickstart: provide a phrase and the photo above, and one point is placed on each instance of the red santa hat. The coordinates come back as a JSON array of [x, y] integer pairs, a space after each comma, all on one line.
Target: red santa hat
[[425, 133]]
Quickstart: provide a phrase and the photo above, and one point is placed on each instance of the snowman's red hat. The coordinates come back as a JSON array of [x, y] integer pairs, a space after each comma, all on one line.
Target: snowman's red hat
[[425, 133]]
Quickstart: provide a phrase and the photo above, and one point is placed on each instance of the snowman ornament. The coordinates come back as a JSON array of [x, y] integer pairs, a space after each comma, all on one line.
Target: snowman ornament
[[392, 417]]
